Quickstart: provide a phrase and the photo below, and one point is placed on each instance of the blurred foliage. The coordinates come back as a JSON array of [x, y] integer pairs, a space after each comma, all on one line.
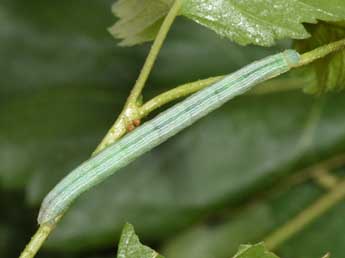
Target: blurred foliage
[[63, 81], [221, 233]]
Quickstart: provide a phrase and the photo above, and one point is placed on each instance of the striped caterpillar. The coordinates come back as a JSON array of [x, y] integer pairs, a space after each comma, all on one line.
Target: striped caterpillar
[[159, 129]]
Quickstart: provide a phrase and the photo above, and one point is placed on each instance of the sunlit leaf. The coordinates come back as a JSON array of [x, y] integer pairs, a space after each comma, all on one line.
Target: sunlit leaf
[[245, 22]]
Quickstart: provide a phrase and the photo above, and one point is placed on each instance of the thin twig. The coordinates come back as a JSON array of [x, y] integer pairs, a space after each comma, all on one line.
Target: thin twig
[[326, 179], [176, 93], [306, 217], [322, 51], [130, 111], [36, 241]]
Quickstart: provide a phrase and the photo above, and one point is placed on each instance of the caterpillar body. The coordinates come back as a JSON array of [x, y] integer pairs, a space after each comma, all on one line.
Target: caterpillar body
[[158, 130]]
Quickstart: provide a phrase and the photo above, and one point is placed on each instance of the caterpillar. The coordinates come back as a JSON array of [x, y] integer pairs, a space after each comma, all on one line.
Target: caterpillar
[[158, 130]]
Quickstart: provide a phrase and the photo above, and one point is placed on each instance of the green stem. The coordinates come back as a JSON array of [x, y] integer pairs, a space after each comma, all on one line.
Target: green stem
[[322, 51], [306, 217], [325, 179], [271, 86], [156, 46], [309, 173], [176, 93], [130, 111], [276, 85], [36, 241]]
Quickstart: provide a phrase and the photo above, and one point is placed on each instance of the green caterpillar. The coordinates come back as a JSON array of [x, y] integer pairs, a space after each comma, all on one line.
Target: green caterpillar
[[159, 129]]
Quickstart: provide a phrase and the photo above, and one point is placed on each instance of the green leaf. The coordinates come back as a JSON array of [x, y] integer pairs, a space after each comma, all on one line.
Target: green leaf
[[130, 246], [330, 70], [139, 20], [244, 22], [254, 251]]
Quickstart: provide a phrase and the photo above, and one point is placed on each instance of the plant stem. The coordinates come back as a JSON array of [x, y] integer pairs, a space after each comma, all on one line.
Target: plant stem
[[306, 217], [176, 93], [325, 179], [276, 85], [36, 241], [309, 172], [156, 46], [130, 109], [322, 51]]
